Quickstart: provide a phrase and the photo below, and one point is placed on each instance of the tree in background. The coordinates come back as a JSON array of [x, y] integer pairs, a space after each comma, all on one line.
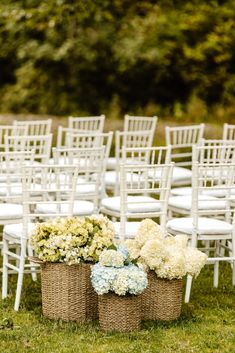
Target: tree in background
[[64, 57]]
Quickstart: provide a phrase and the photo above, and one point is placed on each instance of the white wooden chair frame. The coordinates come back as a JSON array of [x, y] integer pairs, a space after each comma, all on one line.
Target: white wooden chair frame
[[206, 177], [35, 127], [89, 123], [41, 144], [34, 191]]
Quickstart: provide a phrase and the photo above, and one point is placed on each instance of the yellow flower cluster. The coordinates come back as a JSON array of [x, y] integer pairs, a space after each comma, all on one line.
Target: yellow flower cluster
[[72, 239]]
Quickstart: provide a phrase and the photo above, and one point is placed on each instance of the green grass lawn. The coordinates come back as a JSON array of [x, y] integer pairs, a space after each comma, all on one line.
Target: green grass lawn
[[207, 324]]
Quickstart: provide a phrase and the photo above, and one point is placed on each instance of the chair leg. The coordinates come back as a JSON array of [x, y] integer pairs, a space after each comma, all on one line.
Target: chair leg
[[188, 288], [32, 266], [233, 262], [216, 274], [5, 269], [19, 283], [233, 269]]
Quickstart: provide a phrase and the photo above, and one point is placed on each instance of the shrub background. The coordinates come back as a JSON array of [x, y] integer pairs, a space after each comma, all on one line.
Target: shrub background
[[66, 57]]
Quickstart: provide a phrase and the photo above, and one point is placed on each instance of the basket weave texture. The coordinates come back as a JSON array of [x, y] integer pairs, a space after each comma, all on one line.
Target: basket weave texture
[[119, 313], [162, 300], [67, 292]]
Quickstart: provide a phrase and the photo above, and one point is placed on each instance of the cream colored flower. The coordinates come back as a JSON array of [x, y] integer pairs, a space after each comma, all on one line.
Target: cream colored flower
[[133, 248], [195, 260], [148, 230]]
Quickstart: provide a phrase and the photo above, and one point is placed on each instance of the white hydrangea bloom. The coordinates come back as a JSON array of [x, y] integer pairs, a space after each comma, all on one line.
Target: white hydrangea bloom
[[195, 260], [174, 265], [111, 258], [148, 230], [133, 248], [153, 253]]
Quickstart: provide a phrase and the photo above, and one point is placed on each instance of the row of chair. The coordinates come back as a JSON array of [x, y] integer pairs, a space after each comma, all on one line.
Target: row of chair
[[73, 181]]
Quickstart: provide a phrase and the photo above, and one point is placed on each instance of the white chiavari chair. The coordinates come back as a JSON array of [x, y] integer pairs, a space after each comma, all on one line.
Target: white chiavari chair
[[214, 223], [144, 189], [208, 151], [40, 144], [138, 139], [181, 139], [90, 183], [11, 209], [136, 124], [10, 130], [51, 192]]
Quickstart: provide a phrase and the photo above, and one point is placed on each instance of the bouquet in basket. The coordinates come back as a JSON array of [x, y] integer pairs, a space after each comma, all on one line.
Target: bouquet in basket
[[169, 257], [116, 273], [72, 240]]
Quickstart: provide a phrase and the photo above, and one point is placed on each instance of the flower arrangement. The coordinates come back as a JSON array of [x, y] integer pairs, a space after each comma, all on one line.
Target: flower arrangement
[[169, 257], [72, 240], [116, 273]]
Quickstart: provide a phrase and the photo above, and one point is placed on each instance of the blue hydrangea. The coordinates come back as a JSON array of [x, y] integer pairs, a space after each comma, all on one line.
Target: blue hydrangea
[[124, 251], [120, 280]]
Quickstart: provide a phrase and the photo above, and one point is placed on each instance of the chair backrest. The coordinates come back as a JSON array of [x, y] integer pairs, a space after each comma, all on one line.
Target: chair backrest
[[147, 155], [11, 173], [10, 130], [35, 127], [181, 139], [140, 123], [89, 123], [90, 163], [135, 181], [213, 152], [228, 132], [215, 142], [90, 140], [135, 139], [48, 185], [62, 135], [209, 179], [40, 144]]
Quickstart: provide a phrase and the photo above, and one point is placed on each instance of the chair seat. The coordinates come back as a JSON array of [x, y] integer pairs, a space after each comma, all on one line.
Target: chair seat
[[181, 175], [112, 177], [215, 192], [14, 190], [183, 191], [136, 204], [68, 161], [131, 229], [16, 230], [10, 211], [205, 226], [81, 208], [112, 162], [205, 202]]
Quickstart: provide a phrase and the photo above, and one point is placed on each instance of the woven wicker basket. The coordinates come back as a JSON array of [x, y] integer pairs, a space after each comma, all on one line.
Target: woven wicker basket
[[119, 313], [67, 292], [162, 300]]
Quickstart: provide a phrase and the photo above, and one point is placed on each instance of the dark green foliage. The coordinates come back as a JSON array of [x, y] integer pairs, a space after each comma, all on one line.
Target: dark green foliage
[[65, 57]]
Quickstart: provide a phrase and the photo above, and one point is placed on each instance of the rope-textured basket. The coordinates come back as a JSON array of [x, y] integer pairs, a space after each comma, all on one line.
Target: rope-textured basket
[[67, 292], [162, 300], [119, 313]]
